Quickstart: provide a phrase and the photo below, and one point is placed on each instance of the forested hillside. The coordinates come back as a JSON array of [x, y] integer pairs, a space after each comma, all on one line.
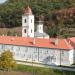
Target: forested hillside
[[58, 16]]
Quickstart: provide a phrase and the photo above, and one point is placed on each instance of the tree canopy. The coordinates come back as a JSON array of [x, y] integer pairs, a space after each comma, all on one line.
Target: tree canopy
[[11, 13], [7, 61]]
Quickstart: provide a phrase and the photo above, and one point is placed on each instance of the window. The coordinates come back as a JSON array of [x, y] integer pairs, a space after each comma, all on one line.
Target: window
[[62, 53], [46, 52], [31, 30], [22, 55], [35, 51], [29, 56], [3, 46], [11, 47], [35, 56], [25, 30], [26, 50], [31, 20], [19, 48], [25, 20], [54, 59]]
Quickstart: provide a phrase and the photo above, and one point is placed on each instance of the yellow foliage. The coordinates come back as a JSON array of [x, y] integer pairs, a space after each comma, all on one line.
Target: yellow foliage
[[6, 60]]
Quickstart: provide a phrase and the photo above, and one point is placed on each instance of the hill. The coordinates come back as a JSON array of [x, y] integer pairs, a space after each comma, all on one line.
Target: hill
[[50, 11]]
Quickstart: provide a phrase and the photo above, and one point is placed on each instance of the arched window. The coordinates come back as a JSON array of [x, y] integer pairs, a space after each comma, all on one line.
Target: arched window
[[25, 30], [31, 30], [25, 20]]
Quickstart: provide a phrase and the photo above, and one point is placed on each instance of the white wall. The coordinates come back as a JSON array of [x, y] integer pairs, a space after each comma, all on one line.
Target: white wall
[[40, 28], [29, 25], [39, 55], [71, 56]]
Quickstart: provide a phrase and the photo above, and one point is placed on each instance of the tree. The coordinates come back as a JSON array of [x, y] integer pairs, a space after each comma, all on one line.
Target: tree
[[6, 61]]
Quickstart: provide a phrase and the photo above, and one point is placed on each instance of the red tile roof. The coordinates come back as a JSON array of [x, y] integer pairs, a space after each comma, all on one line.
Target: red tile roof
[[39, 42], [28, 11], [71, 41]]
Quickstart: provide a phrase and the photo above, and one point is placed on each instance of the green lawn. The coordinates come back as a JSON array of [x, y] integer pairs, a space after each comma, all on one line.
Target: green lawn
[[41, 71], [13, 73]]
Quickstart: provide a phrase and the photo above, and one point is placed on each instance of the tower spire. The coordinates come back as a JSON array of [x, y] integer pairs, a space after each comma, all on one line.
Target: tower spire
[[28, 11], [28, 23]]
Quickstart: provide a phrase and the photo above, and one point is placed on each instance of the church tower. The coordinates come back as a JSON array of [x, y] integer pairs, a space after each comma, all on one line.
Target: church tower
[[28, 23], [40, 28]]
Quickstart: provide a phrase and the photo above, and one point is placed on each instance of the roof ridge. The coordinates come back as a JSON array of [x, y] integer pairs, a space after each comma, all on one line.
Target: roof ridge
[[68, 44]]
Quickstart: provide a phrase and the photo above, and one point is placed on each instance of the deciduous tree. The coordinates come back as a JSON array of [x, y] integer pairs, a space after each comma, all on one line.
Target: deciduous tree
[[7, 61]]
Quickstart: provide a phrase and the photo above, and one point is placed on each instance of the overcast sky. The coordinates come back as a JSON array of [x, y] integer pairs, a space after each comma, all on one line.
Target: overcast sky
[[2, 1]]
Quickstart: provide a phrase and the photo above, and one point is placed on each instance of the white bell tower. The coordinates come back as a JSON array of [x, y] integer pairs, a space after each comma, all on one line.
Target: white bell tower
[[28, 23], [40, 28]]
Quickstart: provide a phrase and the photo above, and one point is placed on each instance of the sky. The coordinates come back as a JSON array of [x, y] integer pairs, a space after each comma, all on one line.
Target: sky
[[2, 1]]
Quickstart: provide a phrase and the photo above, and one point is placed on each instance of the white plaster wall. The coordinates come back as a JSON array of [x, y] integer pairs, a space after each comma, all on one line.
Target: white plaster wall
[[40, 28], [62, 57], [31, 26], [39, 55], [71, 56], [28, 25], [57, 55], [74, 55], [65, 57], [47, 56]]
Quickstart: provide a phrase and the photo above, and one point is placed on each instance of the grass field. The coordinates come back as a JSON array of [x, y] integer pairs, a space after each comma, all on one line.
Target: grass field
[[13, 73], [41, 71], [31, 70]]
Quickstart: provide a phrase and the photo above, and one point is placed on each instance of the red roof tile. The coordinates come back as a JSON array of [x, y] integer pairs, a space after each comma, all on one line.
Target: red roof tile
[[39, 42], [28, 11], [71, 41]]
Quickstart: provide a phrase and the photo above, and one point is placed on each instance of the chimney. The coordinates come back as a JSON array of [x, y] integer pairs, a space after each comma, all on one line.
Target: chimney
[[34, 41], [55, 41], [69, 41], [12, 39], [6, 34], [16, 35], [3, 35]]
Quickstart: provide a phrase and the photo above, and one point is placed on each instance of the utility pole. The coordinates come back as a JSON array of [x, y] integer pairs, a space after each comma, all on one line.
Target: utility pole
[[0, 21], [60, 57], [32, 66]]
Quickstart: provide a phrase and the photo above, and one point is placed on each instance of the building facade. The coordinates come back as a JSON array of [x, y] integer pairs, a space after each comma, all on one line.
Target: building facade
[[28, 23], [43, 51], [28, 26]]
